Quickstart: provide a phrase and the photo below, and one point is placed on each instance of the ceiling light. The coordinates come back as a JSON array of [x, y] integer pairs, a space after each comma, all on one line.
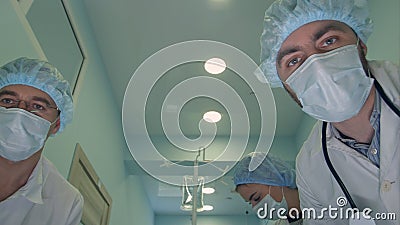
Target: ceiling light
[[215, 65], [208, 207], [208, 190], [212, 116]]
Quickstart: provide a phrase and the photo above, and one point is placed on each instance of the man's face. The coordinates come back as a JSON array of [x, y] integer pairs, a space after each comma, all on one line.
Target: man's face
[[32, 99], [312, 38]]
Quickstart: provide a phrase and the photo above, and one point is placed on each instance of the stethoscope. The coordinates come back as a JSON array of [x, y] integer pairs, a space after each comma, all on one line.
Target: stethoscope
[[325, 151]]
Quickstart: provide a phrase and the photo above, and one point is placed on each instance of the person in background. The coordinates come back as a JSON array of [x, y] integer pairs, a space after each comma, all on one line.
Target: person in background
[[316, 50], [270, 188], [35, 103]]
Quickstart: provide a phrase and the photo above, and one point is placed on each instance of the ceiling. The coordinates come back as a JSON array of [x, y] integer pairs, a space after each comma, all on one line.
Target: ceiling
[[128, 33]]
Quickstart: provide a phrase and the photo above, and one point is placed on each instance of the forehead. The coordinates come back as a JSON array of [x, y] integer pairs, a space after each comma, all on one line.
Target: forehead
[[247, 189], [311, 30], [26, 92]]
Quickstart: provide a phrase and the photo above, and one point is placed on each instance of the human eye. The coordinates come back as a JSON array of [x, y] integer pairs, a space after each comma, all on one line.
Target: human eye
[[290, 59], [38, 106], [293, 61], [8, 101], [329, 41]]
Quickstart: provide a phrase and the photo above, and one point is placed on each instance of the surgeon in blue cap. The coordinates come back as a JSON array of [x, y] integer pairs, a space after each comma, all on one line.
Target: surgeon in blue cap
[[35, 103], [270, 188], [316, 50]]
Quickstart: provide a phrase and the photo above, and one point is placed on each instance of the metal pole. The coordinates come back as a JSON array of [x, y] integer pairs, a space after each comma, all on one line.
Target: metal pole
[[194, 207]]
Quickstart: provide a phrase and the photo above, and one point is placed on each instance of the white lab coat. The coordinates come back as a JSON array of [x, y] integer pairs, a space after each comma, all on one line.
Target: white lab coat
[[369, 186], [46, 199]]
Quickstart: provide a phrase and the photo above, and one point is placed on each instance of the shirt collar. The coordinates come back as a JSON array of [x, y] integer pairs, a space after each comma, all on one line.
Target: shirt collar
[[377, 106]]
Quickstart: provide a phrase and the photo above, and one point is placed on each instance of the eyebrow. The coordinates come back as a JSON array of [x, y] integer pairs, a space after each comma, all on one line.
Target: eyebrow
[[316, 36], [35, 98], [41, 99], [7, 92], [286, 52], [326, 29]]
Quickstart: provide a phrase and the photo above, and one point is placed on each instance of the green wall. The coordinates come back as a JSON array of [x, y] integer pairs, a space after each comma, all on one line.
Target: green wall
[[384, 43], [15, 39], [97, 120]]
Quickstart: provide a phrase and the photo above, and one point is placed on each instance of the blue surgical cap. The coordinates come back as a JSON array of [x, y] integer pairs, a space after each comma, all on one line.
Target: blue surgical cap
[[285, 16], [272, 171], [43, 76]]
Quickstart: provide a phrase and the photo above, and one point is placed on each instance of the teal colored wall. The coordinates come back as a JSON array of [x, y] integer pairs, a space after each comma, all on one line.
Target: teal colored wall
[[384, 43], [97, 120], [15, 39]]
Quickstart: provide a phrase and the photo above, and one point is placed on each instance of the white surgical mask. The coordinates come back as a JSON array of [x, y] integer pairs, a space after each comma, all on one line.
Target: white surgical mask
[[332, 86], [21, 133], [263, 207]]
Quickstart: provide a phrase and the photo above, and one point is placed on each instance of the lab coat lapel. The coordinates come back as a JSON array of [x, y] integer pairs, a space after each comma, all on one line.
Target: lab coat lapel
[[390, 134]]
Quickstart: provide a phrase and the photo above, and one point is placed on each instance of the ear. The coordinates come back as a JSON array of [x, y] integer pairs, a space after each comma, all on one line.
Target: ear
[[363, 47], [56, 127]]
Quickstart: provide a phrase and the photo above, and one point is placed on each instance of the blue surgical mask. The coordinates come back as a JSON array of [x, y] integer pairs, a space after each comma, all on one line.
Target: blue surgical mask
[[332, 86], [263, 207], [21, 133]]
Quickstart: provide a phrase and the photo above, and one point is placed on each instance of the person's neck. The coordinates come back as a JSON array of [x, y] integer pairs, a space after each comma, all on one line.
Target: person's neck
[[14, 175], [359, 127]]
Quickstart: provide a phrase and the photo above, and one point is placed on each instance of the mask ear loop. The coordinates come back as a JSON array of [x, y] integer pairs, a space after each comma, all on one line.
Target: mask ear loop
[[55, 120], [269, 192], [369, 72]]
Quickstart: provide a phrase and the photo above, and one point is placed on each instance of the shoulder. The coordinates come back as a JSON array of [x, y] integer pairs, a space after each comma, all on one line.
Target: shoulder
[[55, 185], [311, 148], [311, 169], [388, 76], [382, 69]]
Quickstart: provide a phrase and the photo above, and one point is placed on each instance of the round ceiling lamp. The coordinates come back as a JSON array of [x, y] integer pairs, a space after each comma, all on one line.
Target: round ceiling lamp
[[215, 65], [212, 116], [208, 190]]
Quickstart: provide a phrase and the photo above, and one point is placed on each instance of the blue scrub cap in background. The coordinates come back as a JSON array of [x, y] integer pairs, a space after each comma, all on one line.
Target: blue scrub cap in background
[[272, 171], [285, 16], [43, 76]]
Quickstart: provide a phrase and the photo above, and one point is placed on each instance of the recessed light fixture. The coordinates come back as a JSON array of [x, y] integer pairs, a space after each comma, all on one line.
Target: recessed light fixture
[[208, 207], [212, 116], [208, 190], [215, 65]]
